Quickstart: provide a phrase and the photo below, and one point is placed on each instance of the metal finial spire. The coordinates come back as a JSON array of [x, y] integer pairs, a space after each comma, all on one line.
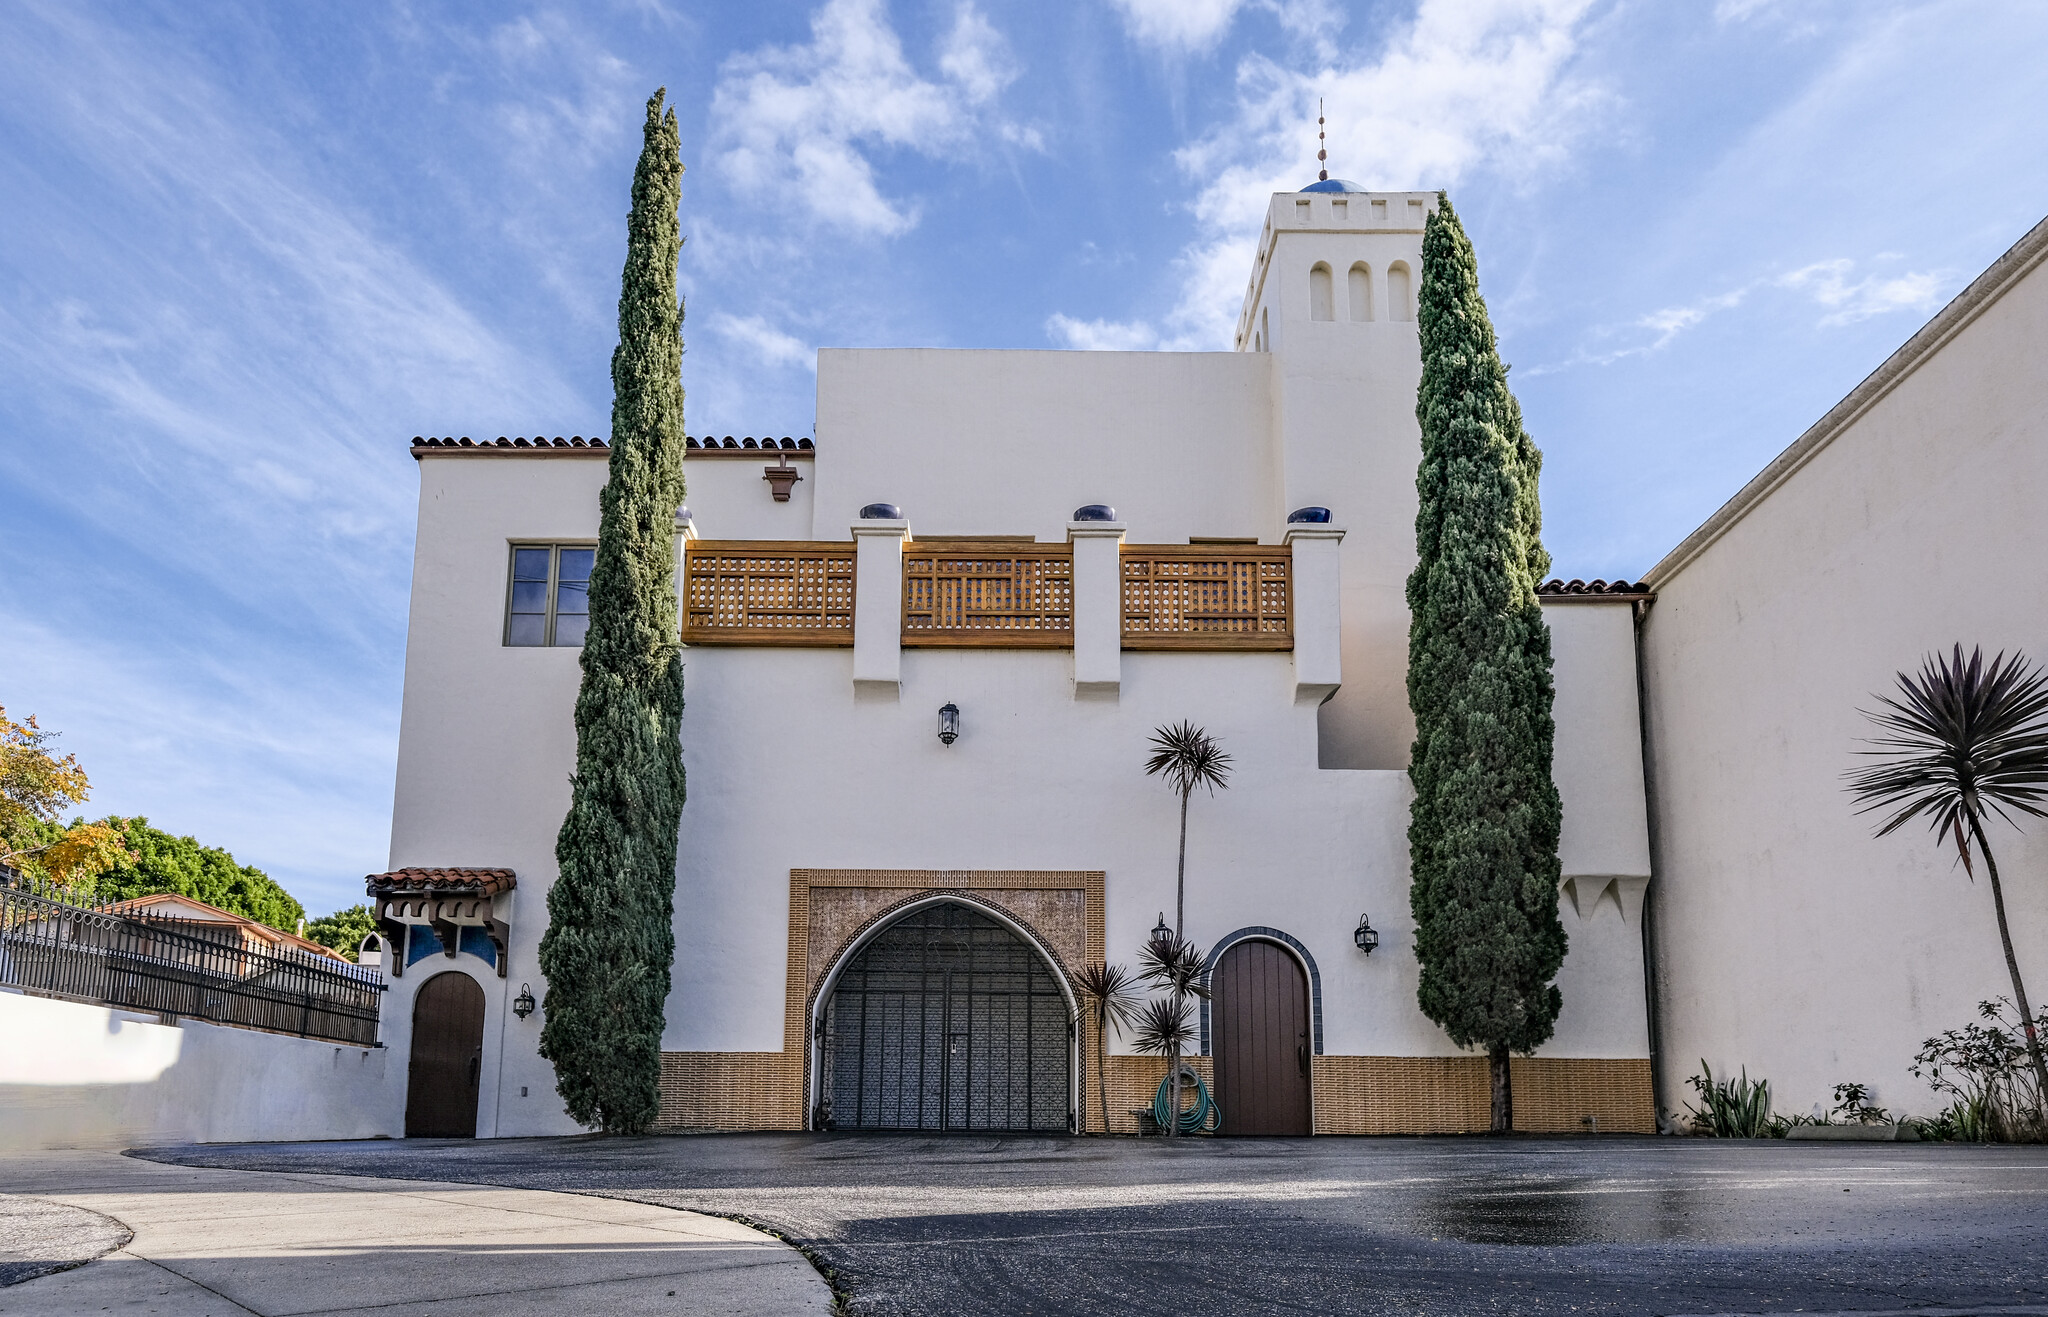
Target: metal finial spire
[[1322, 154]]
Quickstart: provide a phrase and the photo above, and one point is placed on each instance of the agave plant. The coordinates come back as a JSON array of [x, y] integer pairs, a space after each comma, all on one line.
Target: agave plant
[[1111, 997], [1187, 757], [1964, 740], [1732, 1108]]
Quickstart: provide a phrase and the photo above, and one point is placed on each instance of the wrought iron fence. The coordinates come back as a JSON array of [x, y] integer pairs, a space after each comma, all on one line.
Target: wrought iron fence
[[178, 968]]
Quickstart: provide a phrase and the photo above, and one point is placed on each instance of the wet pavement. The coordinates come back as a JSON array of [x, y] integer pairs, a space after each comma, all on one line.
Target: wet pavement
[[947, 1226]]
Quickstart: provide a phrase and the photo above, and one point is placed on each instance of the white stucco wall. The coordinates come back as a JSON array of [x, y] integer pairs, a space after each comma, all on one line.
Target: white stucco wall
[[1010, 443], [1790, 940], [1604, 844], [79, 1076]]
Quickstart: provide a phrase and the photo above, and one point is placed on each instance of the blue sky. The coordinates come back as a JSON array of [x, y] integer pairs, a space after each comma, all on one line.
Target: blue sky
[[250, 250]]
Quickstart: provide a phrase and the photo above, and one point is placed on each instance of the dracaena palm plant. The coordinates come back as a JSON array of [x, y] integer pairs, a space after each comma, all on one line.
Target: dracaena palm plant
[[1187, 757], [1110, 996], [1963, 741], [1170, 963]]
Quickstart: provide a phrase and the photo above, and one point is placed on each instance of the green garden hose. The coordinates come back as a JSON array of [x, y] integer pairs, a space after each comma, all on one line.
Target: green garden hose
[[1205, 1117]]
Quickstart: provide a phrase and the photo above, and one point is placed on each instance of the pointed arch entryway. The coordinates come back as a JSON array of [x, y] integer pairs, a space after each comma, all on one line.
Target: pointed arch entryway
[[946, 1014]]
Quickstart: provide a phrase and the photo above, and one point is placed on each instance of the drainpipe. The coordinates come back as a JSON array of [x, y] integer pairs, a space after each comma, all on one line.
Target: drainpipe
[[1652, 1001]]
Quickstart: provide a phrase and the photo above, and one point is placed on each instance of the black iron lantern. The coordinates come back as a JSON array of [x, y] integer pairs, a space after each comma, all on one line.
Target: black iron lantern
[[1365, 935], [1161, 934], [523, 1004], [949, 722]]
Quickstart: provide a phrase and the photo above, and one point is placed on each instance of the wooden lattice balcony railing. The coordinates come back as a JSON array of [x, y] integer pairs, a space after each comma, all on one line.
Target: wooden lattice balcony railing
[[1206, 596], [741, 592], [1007, 593]]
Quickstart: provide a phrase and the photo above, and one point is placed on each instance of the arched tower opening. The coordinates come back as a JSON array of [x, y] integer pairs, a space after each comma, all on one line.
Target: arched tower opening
[[1321, 303]]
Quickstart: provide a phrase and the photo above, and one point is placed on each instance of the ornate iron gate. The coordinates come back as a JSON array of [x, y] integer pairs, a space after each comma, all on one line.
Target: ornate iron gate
[[947, 1021]]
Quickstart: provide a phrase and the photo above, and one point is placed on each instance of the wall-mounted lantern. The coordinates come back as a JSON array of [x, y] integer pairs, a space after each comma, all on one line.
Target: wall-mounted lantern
[[949, 722], [523, 1004], [1161, 934], [1365, 935]]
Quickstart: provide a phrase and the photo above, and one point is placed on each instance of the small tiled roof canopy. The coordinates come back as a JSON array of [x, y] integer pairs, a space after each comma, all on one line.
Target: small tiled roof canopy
[[1576, 589], [443, 882]]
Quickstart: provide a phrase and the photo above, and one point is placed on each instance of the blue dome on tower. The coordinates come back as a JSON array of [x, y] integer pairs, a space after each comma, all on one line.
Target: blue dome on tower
[[1334, 185]]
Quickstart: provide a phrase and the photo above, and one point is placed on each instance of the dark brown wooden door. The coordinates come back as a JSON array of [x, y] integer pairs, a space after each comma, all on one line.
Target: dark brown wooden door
[[1262, 1042], [447, 1058]]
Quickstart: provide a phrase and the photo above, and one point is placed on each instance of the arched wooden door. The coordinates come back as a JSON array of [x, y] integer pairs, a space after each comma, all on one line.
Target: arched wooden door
[[1262, 1041], [447, 1058]]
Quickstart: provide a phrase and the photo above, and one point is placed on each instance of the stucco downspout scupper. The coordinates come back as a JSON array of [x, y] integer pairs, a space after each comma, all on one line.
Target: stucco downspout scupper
[[2018, 262], [1653, 1000]]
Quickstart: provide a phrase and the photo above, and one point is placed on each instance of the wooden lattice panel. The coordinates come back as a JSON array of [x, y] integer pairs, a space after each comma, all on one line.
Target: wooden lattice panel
[[768, 593], [1201, 596], [989, 593]]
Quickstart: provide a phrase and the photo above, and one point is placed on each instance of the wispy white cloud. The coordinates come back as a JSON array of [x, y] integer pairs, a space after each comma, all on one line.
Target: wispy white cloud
[[1101, 335], [1178, 25], [1849, 300], [803, 119], [1464, 84], [1829, 284], [769, 344]]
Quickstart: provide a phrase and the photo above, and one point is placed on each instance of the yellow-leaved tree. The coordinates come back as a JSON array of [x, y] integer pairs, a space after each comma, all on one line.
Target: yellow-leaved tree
[[36, 787]]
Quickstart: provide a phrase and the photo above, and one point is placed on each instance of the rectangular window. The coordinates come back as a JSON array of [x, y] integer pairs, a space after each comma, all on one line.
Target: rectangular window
[[549, 599]]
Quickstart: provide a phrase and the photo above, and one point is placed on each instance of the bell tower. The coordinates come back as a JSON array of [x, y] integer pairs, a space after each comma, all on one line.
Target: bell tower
[[1331, 302]]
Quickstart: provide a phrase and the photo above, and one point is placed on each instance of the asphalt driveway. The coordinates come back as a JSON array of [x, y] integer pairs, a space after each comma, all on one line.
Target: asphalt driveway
[[940, 1227]]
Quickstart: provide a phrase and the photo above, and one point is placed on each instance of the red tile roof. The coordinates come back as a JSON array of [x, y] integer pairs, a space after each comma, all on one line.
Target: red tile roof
[[1581, 589], [185, 909], [704, 445], [461, 882]]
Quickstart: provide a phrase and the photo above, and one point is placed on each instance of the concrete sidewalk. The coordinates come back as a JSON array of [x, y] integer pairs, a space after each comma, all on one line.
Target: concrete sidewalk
[[210, 1243]]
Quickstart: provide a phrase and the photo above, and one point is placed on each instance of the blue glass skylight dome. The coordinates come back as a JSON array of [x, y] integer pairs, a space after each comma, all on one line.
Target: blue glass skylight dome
[[1334, 185]]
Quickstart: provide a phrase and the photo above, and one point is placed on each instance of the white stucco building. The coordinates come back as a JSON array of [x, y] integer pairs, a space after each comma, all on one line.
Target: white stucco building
[[1069, 549]]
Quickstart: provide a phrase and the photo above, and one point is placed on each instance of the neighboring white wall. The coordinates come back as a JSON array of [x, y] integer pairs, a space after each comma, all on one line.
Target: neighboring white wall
[[1790, 940], [78, 1076]]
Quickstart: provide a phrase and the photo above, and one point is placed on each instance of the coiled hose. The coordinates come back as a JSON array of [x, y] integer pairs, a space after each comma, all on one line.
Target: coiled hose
[[1205, 1117]]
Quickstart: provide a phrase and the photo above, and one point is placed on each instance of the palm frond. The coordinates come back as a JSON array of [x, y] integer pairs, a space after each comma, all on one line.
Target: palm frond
[[1111, 992], [1174, 964], [1962, 739], [1188, 757], [1163, 1026]]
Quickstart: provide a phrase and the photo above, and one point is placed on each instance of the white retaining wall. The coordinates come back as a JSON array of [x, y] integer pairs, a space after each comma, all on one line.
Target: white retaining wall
[[78, 1076]]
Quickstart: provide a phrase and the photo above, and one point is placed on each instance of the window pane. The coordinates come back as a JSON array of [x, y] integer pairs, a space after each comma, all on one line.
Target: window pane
[[529, 596], [530, 565], [572, 598], [576, 564], [526, 629], [569, 628]]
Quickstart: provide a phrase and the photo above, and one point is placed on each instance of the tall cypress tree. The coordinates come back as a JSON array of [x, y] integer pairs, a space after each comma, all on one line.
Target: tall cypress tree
[[610, 939], [1482, 833]]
